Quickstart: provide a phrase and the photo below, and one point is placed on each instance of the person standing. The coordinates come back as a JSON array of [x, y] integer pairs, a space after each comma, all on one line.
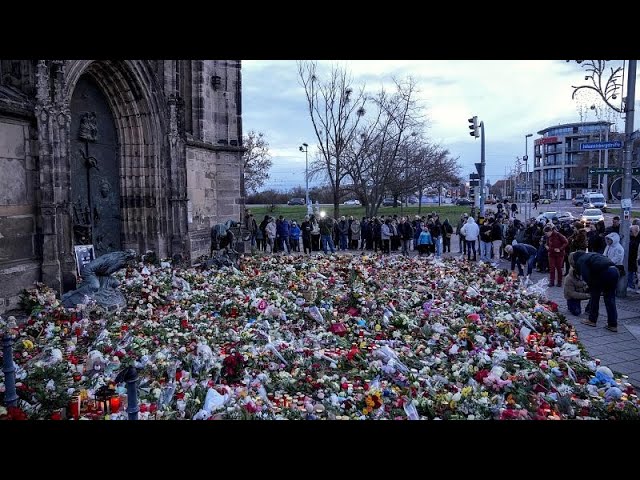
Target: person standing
[[326, 234], [556, 245], [447, 231], [496, 239], [356, 231], [471, 231], [294, 237], [315, 233], [615, 252], [306, 235], [632, 267], [462, 245], [343, 232], [485, 241], [271, 232], [601, 276]]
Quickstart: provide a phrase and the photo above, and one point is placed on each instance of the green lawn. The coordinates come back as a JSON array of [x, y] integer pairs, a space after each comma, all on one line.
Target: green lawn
[[618, 211], [297, 212]]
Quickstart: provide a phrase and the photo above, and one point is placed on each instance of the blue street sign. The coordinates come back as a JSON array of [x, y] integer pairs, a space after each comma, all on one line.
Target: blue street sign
[[600, 145]]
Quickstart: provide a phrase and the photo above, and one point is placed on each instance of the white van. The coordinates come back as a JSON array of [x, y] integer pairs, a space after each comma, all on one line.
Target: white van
[[595, 200]]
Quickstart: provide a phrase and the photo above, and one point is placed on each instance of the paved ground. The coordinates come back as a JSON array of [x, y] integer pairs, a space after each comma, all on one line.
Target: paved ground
[[619, 351]]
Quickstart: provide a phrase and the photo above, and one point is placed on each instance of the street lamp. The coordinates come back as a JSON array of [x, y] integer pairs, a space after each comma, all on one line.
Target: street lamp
[[305, 148], [526, 169]]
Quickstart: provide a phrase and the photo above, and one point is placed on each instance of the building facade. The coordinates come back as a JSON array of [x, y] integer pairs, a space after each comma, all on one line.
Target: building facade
[[560, 166], [140, 154]]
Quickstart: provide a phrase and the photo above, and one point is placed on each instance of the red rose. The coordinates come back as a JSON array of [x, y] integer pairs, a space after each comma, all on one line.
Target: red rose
[[481, 375], [178, 375], [500, 280], [56, 416]]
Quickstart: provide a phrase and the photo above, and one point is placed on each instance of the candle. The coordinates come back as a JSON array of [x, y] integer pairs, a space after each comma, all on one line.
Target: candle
[[74, 407], [115, 403]]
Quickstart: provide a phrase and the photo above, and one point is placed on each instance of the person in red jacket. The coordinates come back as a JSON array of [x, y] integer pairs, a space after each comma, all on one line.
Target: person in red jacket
[[556, 245]]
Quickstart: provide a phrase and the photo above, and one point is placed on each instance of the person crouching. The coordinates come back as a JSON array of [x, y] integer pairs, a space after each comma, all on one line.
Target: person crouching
[[575, 290]]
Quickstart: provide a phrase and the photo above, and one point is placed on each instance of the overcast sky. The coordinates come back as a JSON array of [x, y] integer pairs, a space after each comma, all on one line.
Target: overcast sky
[[513, 98]]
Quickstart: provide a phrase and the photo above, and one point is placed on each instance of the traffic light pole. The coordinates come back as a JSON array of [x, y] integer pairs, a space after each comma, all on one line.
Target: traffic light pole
[[482, 174], [625, 225]]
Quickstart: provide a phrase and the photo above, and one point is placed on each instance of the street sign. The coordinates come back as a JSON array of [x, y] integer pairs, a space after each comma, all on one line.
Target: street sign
[[600, 145], [616, 188], [607, 171], [474, 176]]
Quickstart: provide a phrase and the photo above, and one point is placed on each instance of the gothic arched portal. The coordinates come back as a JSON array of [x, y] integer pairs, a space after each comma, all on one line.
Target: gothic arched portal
[[95, 171]]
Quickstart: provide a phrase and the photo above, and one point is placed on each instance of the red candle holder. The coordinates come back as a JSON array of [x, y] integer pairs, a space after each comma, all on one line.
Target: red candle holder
[[115, 403], [74, 407]]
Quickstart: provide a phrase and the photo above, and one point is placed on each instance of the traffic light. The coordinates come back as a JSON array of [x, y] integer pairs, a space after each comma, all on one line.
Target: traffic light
[[474, 126]]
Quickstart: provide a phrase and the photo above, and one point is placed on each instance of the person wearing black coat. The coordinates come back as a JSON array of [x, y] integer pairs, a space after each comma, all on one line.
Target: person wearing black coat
[[601, 275], [522, 254]]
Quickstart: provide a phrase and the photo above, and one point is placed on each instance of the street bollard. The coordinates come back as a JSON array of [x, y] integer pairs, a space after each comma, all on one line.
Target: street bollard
[[9, 369], [130, 377]]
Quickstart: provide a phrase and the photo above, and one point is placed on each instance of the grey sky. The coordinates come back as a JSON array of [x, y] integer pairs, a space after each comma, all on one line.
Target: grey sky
[[513, 98]]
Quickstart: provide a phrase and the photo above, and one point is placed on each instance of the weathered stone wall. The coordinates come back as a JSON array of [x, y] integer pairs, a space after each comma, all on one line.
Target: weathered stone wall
[[179, 130], [220, 115], [214, 161], [213, 186], [18, 267]]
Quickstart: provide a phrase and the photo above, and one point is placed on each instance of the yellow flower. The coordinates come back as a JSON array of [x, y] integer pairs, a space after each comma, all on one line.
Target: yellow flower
[[28, 344], [377, 327], [466, 391]]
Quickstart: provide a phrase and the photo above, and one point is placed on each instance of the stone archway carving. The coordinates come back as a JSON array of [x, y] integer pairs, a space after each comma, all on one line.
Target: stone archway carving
[[151, 205]]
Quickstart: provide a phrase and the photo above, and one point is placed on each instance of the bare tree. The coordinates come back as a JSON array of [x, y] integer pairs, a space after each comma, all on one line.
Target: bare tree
[[257, 161], [335, 112], [433, 167], [372, 160]]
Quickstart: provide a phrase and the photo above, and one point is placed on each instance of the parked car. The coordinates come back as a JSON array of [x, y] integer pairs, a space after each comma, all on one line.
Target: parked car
[[352, 202], [579, 200], [296, 201], [464, 201], [560, 215], [591, 215], [388, 202], [545, 201]]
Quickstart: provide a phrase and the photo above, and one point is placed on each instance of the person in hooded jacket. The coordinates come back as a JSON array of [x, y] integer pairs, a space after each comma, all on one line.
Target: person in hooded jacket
[[615, 252], [471, 231], [601, 276]]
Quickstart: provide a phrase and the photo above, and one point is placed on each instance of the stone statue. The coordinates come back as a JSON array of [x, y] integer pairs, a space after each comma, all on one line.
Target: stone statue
[[98, 284]]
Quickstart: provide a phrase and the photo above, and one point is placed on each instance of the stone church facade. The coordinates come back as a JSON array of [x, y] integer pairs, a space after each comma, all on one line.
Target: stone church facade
[[139, 154]]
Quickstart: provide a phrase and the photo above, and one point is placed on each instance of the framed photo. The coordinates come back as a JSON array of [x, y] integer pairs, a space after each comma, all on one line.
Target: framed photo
[[84, 254]]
